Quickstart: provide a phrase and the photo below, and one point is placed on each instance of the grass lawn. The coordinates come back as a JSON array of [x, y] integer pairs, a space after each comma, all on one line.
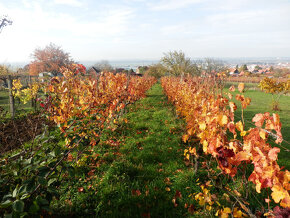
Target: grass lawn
[[260, 104], [250, 86]]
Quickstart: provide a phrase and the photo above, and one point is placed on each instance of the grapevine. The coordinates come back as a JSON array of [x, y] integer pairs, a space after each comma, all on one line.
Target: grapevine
[[210, 116], [81, 107]]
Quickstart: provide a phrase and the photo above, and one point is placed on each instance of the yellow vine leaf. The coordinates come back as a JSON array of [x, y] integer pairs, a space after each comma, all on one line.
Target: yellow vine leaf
[[204, 146], [202, 126], [278, 193], [241, 87], [240, 126], [185, 138], [262, 134]]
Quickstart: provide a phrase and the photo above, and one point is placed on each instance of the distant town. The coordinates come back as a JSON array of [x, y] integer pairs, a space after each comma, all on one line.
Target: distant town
[[233, 67]]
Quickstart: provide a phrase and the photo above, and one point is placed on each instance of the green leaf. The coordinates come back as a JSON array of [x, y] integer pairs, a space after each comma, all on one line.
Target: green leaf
[[41, 201], [8, 215], [23, 214], [34, 208], [57, 151], [28, 181], [25, 196], [7, 197], [22, 190], [30, 186], [5, 204], [43, 170], [52, 153], [18, 206], [51, 181], [42, 180], [52, 190], [14, 193], [27, 161]]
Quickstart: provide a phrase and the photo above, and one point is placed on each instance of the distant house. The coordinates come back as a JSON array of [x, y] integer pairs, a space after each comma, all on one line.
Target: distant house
[[269, 73], [255, 72], [93, 71], [261, 72], [234, 72], [242, 73], [136, 74], [119, 70]]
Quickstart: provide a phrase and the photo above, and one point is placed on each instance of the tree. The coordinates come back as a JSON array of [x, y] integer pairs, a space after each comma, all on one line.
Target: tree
[[104, 66], [177, 64], [3, 69], [4, 21], [156, 70], [257, 67], [243, 68], [49, 59], [141, 69], [211, 65]]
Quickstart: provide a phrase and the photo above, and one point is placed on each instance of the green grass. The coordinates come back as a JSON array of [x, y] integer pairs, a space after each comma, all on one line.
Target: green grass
[[250, 86], [261, 103], [149, 159], [4, 99]]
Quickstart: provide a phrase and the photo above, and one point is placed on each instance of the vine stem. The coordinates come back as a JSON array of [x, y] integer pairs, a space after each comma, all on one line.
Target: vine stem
[[247, 210], [243, 116]]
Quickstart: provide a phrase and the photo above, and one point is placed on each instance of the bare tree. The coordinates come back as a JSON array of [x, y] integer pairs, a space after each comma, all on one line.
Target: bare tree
[[178, 65], [211, 65], [104, 66], [4, 21]]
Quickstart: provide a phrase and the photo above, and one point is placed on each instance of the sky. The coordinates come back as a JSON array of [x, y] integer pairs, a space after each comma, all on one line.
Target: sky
[[145, 29]]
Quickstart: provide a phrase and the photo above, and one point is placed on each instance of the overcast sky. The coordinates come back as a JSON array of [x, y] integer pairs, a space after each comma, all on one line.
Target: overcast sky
[[145, 29]]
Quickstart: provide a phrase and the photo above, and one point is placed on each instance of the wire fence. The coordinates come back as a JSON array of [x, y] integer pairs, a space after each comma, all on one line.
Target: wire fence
[[8, 104]]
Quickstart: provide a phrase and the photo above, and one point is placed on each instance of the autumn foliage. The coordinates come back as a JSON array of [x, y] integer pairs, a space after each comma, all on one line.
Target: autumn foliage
[[210, 116], [276, 88], [83, 106], [49, 59]]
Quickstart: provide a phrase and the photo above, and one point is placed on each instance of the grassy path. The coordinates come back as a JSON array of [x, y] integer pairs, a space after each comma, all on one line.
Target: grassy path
[[145, 172]]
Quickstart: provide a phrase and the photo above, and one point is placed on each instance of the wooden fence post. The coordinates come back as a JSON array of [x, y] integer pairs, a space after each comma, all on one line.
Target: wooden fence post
[[33, 104], [11, 97]]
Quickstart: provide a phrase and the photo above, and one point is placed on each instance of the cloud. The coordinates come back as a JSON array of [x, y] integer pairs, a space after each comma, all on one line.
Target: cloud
[[35, 26], [72, 3], [133, 28], [165, 5]]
